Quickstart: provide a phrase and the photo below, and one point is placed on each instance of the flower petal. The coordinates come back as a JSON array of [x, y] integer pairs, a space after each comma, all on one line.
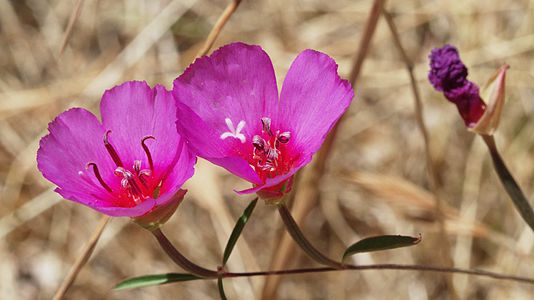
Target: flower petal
[[182, 170], [133, 111], [75, 139], [109, 208], [313, 98], [269, 182], [206, 144], [230, 90]]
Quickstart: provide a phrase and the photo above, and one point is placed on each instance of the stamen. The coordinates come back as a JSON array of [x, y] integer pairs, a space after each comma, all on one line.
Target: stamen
[[147, 151], [266, 124], [258, 143], [98, 177], [284, 137], [128, 181], [145, 173], [267, 155], [137, 166], [112, 151], [141, 173], [272, 154]]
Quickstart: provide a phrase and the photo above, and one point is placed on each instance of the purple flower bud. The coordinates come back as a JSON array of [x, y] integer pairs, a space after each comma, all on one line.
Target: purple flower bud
[[449, 75], [468, 101], [447, 71]]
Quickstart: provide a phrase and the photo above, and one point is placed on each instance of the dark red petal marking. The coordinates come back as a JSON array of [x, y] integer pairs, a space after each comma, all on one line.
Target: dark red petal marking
[[147, 151], [143, 181], [97, 175], [112, 151]]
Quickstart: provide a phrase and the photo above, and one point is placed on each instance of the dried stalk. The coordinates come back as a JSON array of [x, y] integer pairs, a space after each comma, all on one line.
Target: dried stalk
[[72, 20], [306, 194], [216, 30], [82, 259], [431, 171], [80, 262]]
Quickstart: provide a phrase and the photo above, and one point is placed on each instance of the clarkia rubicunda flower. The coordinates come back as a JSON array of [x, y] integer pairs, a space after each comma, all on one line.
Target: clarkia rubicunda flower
[[448, 74], [132, 164], [231, 113]]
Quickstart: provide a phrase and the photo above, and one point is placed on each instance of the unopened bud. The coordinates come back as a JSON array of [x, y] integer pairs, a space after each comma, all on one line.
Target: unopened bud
[[493, 93]]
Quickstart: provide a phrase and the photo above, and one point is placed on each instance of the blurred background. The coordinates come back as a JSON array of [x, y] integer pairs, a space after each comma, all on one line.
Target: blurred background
[[375, 181]]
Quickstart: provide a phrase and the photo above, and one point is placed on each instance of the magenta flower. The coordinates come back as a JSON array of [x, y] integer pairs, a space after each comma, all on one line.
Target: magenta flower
[[231, 115], [449, 75], [132, 164]]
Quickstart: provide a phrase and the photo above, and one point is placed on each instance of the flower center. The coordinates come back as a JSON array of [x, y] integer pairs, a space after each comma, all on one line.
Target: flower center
[[268, 156], [137, 184]]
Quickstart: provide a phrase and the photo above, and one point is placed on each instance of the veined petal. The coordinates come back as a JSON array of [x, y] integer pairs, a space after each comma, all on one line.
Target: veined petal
[[75, 139], [238, 166], [142, 122], [133, 111], [109, 208], [204, 142], [313, 98], [182, 169], [222, 99]]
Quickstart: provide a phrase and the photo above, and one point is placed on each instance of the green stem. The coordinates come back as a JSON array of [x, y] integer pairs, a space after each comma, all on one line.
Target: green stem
[[399, 267], [510, 185], [297, 235], [158, 279], [181, 260]]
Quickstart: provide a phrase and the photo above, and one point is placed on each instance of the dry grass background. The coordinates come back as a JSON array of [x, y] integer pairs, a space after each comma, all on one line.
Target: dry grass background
[[376, 181]]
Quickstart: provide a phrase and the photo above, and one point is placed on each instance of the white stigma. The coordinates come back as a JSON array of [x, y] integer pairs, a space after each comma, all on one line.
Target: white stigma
[[234, 132]]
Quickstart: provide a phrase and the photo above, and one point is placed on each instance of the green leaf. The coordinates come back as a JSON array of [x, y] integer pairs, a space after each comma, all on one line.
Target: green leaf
[[381, 242], [158, 279], [510, 185], [294, 231], [221, 289], [238, 229]]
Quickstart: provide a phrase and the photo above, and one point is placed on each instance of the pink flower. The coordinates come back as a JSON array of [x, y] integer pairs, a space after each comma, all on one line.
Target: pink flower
[[132, 164], [231, 114]]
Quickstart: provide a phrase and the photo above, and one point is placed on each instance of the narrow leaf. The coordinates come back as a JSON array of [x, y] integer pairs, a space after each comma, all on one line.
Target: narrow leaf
[[510, 185], [382, 242], [293, 229], [221, 289], [238, 229], [158, 279]]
